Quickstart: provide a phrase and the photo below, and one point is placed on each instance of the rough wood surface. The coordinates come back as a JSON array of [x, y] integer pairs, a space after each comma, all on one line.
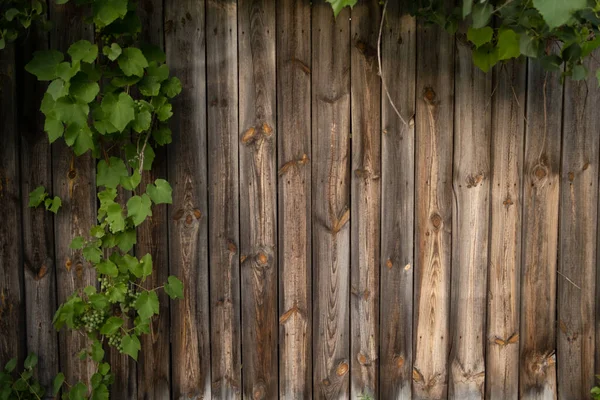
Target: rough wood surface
[[508, 130], [397, 265], [470, 231], [12, 305], [540, 234], [38, 224], [578, 234], [153, 376], [258, 197], [74, 181], [223, 197], [433, 211], [331, 201], [294, 188], [188, 228], [365, 210]]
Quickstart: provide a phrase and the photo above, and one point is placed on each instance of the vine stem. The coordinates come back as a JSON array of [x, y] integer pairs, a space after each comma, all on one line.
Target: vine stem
[[30, 388], [387, 92]]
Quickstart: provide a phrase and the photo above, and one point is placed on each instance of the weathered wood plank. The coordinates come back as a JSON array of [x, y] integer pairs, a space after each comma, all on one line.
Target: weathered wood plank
[[433, 211], [38, 224], [331, 201], [12, 305], [578, 235], [540, 234], [74, 181], [188, 229], [223, 197], [398, 58], [470, 230], [508, 129], [153, 372], [258, 197], [365, 211], [294, 188]]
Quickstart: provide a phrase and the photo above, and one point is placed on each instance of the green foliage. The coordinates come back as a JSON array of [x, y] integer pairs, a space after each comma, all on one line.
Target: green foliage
[[20, 384], [17, 16], [595, 392], [39, 196], [337, 5]]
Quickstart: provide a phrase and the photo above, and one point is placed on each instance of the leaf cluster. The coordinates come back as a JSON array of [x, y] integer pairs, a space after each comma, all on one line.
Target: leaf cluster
[[23, 384], [17, 16]]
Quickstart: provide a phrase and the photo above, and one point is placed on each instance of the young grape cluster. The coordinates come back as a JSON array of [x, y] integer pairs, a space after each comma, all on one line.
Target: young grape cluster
[[93, 320], [115, 340], [130, 299]]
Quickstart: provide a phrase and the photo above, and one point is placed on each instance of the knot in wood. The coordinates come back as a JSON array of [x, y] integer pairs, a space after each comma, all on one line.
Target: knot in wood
[[399, 361], [436, 221], [231, 246], [540, 172], [258, 391], [267, 130], [389, 263], [342, 369], [79, 270], [249, 135], [429, 95], [474, 180], [571, 176], [261, 258], [68, 264], [71, 174]]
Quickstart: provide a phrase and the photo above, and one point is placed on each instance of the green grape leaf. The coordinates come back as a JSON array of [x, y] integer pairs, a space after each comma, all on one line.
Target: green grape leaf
[[114, 217], [10, 365], [107, 267], [480, 36], [529, 46], [482, 14], [133, 158], [142, 121], [2, 43], [131, 345], [116, 294], [164, 112], [97, 231], [83, 51], [153, 53], [172, 87], [579, 72], [11, 13], [77, 243], [89, 290], [141, 326], [107, 11], [111, 326], [54, 129], [113, 52], [92, 254], [146, 263], [147, 304], [174, 287], [149, 86], [84, 90], [131, 182], [126, 263], [160, 192], [467, 6], [104, 368], [44, 64], [37, 195], [57, 383], [57, 89], [162, 135], [97, 352], [119, 109], [66, 70], [31, 361], [139, 208], [132, 62], [338, 5], [53, 204], [71, 112], [83, 141], [99, 301], [96, 380], [126, 240], [558, 12], [109, 174], [100, 393], [485, 57]]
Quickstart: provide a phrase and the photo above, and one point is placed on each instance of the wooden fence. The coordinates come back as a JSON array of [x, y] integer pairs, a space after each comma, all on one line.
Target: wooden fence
[[329, 248]]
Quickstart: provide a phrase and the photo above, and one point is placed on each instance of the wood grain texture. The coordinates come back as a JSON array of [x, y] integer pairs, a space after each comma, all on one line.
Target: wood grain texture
[[38, 224], [12, 305], [74, 181], [470, 230], [365, 210], [331, 201], [433, 211], [540, 235], [188, 228], [508, 129], [294, 198], [223, 197], [578, 235], [153, 372], [398, 58], [258, 197]]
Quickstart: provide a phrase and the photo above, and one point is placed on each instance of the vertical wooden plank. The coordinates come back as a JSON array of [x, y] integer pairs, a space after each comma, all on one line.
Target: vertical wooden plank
[[540, 234], [365, 214], [434, 199], [153, 372], [188, 229], [38, 224], [223, 197], [294, 188], [471, 185], [331, 201], [578, 235], [398, 58], [508, 128], [258, 197], [74, 182], [12, 306]]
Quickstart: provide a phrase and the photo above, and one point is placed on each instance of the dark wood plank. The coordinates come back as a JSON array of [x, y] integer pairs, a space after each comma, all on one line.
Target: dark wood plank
[[38, 224], [223, 197], [188, 229], [153, 372], [331, 201], [508, 129], [578, 235], [74, 181], [294, 188], [365, 211], [540, 234], [398, 58], [470, 230], [12, 305], [258, 197], [433, 211]]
